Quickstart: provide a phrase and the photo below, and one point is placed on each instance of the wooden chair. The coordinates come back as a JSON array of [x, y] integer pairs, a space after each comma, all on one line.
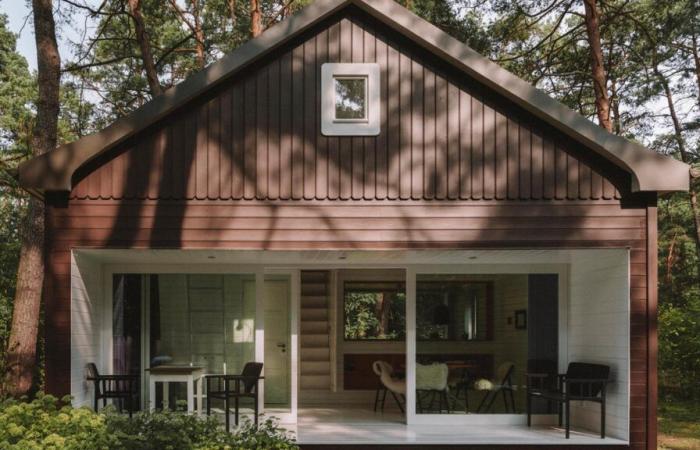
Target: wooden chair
[[124, 388], [227, 387], [581, 382]]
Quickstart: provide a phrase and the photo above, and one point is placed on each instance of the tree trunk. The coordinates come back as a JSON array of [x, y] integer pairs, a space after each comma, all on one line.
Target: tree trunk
[[255, 18], [198, 35], [696, 60], [602, 102], [145, 46], [232, 11], [22, 343], [680, 142]]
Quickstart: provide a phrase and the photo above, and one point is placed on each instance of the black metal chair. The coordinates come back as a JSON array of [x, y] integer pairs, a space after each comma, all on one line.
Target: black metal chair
[[542, 375], [123, 388], [503, 384], [581, 382], [227, 387]]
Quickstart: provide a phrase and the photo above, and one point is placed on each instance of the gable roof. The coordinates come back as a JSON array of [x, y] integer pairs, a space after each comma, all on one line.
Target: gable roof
[[650, 171]]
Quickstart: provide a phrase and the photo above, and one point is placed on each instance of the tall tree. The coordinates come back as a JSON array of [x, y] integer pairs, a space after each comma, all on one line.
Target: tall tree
[[255, 18], [602, 101], [144, 42], [22, 343]]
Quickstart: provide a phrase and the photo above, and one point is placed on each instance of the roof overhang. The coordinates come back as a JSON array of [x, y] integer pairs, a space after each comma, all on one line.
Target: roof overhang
[[649, 171]]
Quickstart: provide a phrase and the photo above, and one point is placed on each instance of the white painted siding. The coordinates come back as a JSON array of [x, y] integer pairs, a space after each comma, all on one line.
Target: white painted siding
[[86, 321], [598, 332]]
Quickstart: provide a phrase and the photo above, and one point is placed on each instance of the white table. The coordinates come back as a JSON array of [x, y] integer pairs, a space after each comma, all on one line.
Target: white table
[[167, 374]]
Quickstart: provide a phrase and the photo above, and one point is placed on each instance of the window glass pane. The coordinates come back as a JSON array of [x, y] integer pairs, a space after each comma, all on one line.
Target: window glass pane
[[374, 310], [476, 338], [350, 98]]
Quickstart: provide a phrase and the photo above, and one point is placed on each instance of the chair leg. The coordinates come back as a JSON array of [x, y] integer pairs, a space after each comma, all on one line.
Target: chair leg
[[493, 400], [376, 399], [384, 398], [505, 401], [447, 403], [235, 404], [256, 410], [528, 407], [97, 402], [398, 402], [130, 406], [512, 401], [559, 413], [483, 401], [466, 400], [602, 419], [567, 418], [226, 414]]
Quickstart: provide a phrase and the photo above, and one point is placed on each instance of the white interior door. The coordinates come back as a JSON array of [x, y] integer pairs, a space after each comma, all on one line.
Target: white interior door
[[277, 348]]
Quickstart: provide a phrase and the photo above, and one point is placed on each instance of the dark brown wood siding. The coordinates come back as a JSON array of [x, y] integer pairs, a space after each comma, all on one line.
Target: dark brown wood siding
[[453, 167], [259, 138]]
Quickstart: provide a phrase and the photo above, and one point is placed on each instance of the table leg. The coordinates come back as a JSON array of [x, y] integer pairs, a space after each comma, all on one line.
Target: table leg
[[152, 394], [199, 395], [190, 395], [166, 395]]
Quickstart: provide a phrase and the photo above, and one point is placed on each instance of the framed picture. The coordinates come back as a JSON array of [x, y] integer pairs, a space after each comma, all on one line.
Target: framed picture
[[521, 319]]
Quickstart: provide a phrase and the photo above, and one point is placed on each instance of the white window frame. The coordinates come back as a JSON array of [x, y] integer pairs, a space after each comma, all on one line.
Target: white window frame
[[367, 126]]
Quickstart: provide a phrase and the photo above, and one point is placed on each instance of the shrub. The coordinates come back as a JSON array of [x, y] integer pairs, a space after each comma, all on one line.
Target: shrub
[[46, 423]]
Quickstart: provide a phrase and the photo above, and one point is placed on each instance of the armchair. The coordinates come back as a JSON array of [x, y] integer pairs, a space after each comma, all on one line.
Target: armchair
[[119, 387], [581, 382], [227, 387]]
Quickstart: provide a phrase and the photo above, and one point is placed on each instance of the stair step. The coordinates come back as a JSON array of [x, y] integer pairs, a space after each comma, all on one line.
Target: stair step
[[314, 314], [315, 368], [315, 382], [314, 341], [314, 301], [311, 354], [314, 327]]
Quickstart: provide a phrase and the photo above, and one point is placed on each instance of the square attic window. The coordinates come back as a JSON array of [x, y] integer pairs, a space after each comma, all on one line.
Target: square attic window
[[350, 99]]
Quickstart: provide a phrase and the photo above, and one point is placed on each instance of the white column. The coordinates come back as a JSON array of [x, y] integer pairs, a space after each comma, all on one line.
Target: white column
[[294, 341], [410, 345], [190, 394], [260, 329]]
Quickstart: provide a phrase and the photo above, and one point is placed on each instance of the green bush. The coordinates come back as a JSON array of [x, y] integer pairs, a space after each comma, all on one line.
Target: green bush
[[46, 423]]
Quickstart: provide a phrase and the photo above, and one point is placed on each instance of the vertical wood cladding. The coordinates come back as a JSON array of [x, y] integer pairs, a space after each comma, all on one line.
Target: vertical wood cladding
[[453, 167], [259, 138]]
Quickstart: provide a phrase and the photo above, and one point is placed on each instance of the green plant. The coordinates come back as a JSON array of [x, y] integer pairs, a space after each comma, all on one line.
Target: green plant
[[47, 423]]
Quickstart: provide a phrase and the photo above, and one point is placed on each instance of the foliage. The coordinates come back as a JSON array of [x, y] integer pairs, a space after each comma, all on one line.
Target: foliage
[[679, 427], [46, 423], [367, 315]]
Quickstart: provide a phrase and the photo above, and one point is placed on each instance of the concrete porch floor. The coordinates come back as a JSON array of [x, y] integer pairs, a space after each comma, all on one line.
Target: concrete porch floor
[[318, 426]]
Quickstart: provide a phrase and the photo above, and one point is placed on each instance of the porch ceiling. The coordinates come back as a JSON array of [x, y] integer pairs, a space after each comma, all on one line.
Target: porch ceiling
[[336, 258]]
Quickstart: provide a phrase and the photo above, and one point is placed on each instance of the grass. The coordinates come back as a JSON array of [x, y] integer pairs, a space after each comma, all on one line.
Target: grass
[[679, 424]]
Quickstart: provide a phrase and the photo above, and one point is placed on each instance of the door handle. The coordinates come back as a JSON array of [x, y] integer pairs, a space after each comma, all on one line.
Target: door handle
[[283, 346]]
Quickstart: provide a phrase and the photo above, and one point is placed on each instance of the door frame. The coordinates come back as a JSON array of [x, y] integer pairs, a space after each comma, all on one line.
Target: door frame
[[294, 311]]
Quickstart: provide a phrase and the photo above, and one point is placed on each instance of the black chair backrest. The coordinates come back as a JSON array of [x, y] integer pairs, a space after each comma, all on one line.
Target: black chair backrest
[[578, 370], [548, 367], [92, 370], [253, 370]]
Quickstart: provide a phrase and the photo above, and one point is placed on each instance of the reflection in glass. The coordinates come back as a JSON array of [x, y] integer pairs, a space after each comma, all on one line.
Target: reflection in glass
[[472, 356], [374, 310], [350, 98]]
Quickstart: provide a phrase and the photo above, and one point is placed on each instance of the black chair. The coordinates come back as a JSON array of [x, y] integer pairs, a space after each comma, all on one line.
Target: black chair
[[123, 388], [504, 374], [581, 382], [542, 375], [227, 387]]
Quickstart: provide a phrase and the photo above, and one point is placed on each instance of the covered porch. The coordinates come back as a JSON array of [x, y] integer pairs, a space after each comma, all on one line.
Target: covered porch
[[297, 312]]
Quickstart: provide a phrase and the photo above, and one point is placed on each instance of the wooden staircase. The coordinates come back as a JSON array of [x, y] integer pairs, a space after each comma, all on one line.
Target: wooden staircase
[[315, 355]]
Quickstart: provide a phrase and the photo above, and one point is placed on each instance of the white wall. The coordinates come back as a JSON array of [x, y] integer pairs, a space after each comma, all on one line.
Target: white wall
[[598, 332], [86, 321]]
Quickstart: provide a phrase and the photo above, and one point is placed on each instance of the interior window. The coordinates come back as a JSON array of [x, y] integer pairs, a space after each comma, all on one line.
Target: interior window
[[350, 98], [374, 310]]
